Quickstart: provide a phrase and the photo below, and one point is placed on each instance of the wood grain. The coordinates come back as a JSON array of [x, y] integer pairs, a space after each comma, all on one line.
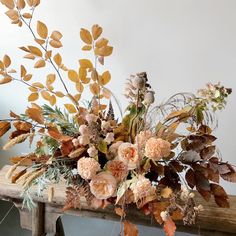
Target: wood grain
[[213, 220]]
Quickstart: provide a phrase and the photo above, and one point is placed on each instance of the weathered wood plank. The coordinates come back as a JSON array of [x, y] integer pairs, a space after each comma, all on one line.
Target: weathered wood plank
[[214, 220]]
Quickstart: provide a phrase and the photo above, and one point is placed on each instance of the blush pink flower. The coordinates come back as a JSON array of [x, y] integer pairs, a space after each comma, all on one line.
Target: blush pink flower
[[128, 154], [142, 138], [103, 185], [113, 150], [118, 169], [157, 148], [87, 167]]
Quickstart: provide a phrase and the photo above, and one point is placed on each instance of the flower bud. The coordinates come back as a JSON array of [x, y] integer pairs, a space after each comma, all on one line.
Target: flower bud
[[149, 98], [138, 82]]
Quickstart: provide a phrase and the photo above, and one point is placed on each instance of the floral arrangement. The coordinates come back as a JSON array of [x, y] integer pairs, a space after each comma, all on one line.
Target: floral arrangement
[[151, 158]]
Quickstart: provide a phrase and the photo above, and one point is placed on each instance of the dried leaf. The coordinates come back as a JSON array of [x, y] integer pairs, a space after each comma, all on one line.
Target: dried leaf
[[33, 97], [36, 51], [86, 36], [19, 139], [50, 79], [231, 177], [120, 212], [13, 15], [85, 63], [96, 31], [130, 229], [39, 64], [42, 30], [57, 59], [8, 3], [40, 41], [6, 61], [166, 192], [38, 85], [5, 80], [59, 94], [22, 71], [52, 100], [23, 126], [56, 35], [101, 43], [46, 95], [104, 51], [94, 88], [70, 108], [73, 76], [54, 133], [79, 87], [55, 43], [27, 77], [106, 77], [20, 4], [4, 127], [169, 227], [86, 48], [29, 56], [27, 15], [221, 197], [158, 207], [35, 114]]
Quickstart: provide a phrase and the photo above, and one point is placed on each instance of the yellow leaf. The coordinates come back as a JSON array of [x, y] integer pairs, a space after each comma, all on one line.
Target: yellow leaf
[[22, 71], [40, 41], [50, 87], [96, 31], [8, 3], [48, 54], [86, 36], [52, 100], [13, 15], [50, 79], [104, 51], [57, 58], [42, 30], [39, 64], [45, 95], [101, 42], [55, 43], [36, 51], [12, 71], [59, 94], [77, 97], [79, 87], [85, 63], [5, 80], [56, 35], [33, 90], [70, 108], [6, 61], [94, 88], [27, 15], [29, 56], [20, 4], [27, 77], [38, 85], [87, 48], [73, 76], [1, 65], [106, 77], [85, 80], [33, 97]]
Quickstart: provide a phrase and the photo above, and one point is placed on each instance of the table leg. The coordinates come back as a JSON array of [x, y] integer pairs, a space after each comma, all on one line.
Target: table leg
[[38, 219]]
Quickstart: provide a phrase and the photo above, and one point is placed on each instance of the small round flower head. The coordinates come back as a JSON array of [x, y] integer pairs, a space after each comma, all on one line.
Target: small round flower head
[[164, 215], [157, 148], [109, 138], [149, 97], [84, 140], [118, 169], [105, 125], [92, 151], [142, 138], [190, 156], [199, 208], [138, 82], [103, 185], [87, 167], [91, 118], [84, 130]]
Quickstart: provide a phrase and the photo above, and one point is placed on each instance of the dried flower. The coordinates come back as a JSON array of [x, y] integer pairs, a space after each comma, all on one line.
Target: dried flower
[[103, 185], [105, 125], [91, 118], [84, 130], [184, 193], [84, 140], [113, 150], [190, 156], [142, 138], [149, 97], [138, 82], [128, 153], [92, 151], [199, 208], [109, 138], [87, 167], [142, 188], [157, 148], [118, 169], [164, 215]]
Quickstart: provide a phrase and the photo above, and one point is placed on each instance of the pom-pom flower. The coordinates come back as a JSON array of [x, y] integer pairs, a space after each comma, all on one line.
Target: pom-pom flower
[[92, 151], [118, 169], [113, 150], [87, 167], [142, 138], [103, 185], [157, 148], [128, 153]]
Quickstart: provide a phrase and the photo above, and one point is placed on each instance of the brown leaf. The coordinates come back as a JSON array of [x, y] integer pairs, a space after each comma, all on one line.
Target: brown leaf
[[221, 197], [23, 126], [73, 76], [66, 147], [158, 207], [104, 51], [190, 178], [86, 36], [54, 133], [39, 64], [96, 31], [207, 152], [20, 4], [5, 80], [130, 229], [42, 30], [4, 127], [70, 108], [56, 35], [6, 61], [35, 114], [33, 97], [36, 51], [120, 212], [14, 115], [55, 43], [15, 177], [169, 227], [8, 3], [57, 59], [231, 177]]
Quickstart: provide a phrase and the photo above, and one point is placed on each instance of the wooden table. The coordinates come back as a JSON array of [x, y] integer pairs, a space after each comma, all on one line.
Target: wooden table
[[45, 218]]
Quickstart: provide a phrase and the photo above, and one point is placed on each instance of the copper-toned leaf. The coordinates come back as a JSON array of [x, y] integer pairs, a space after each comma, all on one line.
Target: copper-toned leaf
[[207, 152], [104, 51], [36, 51], [38, 85], [77, 97], [46, 95], [130, 229], [35, 114], [6, 61], [73, 76], [79, 87], [29, 56], [4, 127], [20, 4], [40, 41], [105, 78], [52, 100], [231, 177], [96, 31], [54, 133], [85, 63], [57, 59], [14, 115], [33, 97], [59, 94], [70, 108], [94, 88], [169, 227], [22, 71], [158, 207], [23, 126], [101, 43], [56, 35], [55, 43], [190, 178], [27, 15], [27, 77], [42, 30], [87, 48], [39, 64], [50, 79], [5, 80], [120, 212], [86, 36], [221, 197], [13, 15], [8, 3]]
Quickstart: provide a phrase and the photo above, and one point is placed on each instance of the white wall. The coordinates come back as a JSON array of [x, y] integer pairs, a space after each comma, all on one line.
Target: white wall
[[181, 44]]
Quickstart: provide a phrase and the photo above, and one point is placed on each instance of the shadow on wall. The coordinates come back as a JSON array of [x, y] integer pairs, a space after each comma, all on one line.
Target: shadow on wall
[[73, 226]]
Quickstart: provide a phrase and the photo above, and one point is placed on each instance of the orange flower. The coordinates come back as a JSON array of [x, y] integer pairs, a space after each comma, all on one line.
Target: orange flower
[[118, 169], [103, 185], [157, 148]]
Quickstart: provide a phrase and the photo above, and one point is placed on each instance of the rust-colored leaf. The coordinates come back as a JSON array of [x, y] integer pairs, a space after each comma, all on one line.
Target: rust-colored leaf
[[54, 133], [33, 97], [86, 36], [130, 229], [70, 108], [4, 127], [20, 4], [85, 63], [57, 59], [42, 30], [35, 114], [96, 31], [39, 64], [73, 76], [6, 61], [158, 207], [8, 3], [169, 227], [56, 35], [55, 43]]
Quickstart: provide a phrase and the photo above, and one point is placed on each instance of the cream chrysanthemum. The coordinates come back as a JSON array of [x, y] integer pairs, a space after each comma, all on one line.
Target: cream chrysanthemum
[[103, 185], [157, 148], [128, 154], [118, 169], [87, 167]]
